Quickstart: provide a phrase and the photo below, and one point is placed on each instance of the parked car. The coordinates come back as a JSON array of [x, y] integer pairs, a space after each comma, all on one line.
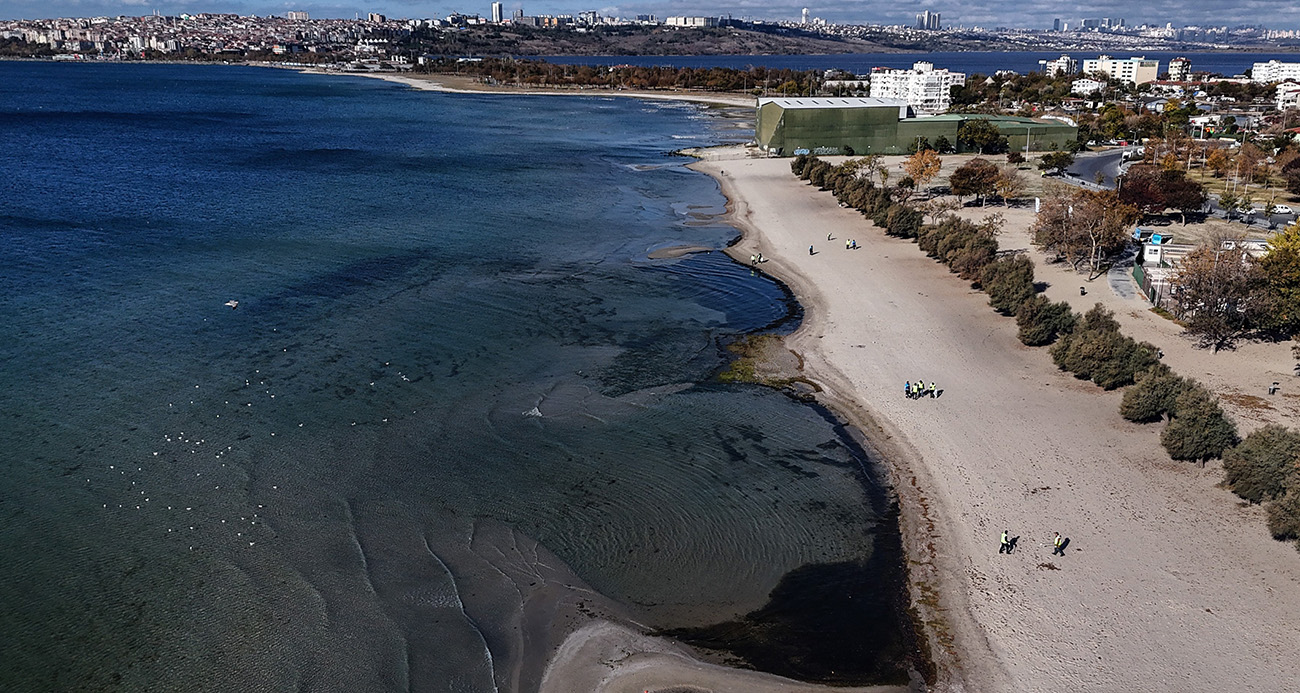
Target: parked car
[[1282, 209]]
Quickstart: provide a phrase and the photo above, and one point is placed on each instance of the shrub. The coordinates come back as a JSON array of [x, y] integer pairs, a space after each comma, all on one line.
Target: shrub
[[798, 165], [903, 221], [973, 256], [1009, 282], [1097, 351], [1041, 321], [1258, 467], [1153, 396], [1198, 430], [1284, 515], [818, 173]]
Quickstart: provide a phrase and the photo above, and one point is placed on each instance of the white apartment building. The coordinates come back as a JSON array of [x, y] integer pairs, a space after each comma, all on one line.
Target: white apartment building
[[1064, 65], [1274, 71], [927, 90], [691, 21], [1134, 70], [1180, 70], [1085, 86], [1288, 95], [498, 13]]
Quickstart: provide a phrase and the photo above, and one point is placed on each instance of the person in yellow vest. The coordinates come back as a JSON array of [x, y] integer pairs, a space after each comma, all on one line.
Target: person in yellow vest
[[1006, 542], [1058, 545], [933, 389]]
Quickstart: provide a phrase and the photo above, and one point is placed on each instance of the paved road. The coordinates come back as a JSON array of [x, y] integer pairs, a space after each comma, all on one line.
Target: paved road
[[1087, 164]]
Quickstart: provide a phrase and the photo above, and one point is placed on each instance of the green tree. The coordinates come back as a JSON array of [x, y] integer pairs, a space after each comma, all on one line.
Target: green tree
[[1041, 321], [1199, 429], [1009, 282], [1087, 228], [1096, 351], [981, 135], [1284, 514], [1153, 395], [1258, 467], [1055, 161], [1281, 276]]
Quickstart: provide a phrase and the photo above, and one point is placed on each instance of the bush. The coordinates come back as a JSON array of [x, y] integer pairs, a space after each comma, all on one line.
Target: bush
[[1041, 321], [818, 172], [903, 221], [969, 260], [798, 165], [1258, 467], [1153, 396], [1199, 430], [1009, 282], [1284, 516], [1097, 351]]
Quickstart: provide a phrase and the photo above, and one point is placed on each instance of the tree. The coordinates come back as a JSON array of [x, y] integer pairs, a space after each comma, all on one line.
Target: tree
[[1015, 158], [1218, 292], [981, 135], [1182, 193], [1257, 468], [1284, 513], [1086, 227], [1199, 430], [1281, 277], [1055, 161], [923, 166], [1153, 395], [1096, 351], [1142, 188], [1219, 162], [1041, 321], [1008, 184], [943, 145], [975, 177], [1009, 282]]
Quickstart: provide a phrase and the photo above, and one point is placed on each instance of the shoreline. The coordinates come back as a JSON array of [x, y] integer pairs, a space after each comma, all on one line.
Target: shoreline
[[906, 475], [1193, 596]]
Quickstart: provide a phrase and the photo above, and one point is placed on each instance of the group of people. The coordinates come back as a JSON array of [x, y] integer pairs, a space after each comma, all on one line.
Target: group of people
[[849, 243], [755, 260], [1009, 544], [918, 389]]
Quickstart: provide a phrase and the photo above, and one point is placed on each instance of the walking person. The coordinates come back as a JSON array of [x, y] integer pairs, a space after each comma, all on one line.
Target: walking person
[[810, 250], [933, 389], [1058, 545], [1006, 542], [907, 389]]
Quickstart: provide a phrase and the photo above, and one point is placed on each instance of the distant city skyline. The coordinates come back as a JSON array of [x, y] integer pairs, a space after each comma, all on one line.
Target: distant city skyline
[[1272, 14]]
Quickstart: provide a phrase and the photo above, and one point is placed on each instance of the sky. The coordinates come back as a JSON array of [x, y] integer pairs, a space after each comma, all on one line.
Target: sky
[[1273, 14]]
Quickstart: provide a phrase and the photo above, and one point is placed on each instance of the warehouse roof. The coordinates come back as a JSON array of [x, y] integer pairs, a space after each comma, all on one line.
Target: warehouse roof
[[833, 102]]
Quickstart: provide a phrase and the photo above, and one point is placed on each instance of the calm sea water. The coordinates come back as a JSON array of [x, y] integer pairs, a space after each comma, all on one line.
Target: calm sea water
[[453, 376], [983, 62]]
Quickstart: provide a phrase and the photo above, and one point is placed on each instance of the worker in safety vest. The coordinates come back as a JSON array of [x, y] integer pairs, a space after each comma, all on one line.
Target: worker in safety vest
[[1058, 545], [1006, 543]]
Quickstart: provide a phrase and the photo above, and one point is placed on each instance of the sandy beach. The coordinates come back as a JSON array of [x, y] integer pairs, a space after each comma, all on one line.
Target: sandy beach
[[1168, 583]]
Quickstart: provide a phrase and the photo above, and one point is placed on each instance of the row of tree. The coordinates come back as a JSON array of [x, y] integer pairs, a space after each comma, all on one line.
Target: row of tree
[[1091, 346], [518, 72]]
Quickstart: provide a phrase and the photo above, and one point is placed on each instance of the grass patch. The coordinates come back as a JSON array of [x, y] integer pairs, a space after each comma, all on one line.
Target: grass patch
[[762, 360], [1167, 316]]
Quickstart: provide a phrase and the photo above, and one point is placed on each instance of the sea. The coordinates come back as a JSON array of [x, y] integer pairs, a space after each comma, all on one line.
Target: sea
[[324, 383], [970, 62]]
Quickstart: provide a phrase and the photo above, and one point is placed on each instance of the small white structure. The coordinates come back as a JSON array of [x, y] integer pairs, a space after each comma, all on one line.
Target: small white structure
[[1085, 86]]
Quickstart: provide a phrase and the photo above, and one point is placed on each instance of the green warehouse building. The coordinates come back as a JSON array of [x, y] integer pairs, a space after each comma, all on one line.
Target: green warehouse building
[[865, 125]]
